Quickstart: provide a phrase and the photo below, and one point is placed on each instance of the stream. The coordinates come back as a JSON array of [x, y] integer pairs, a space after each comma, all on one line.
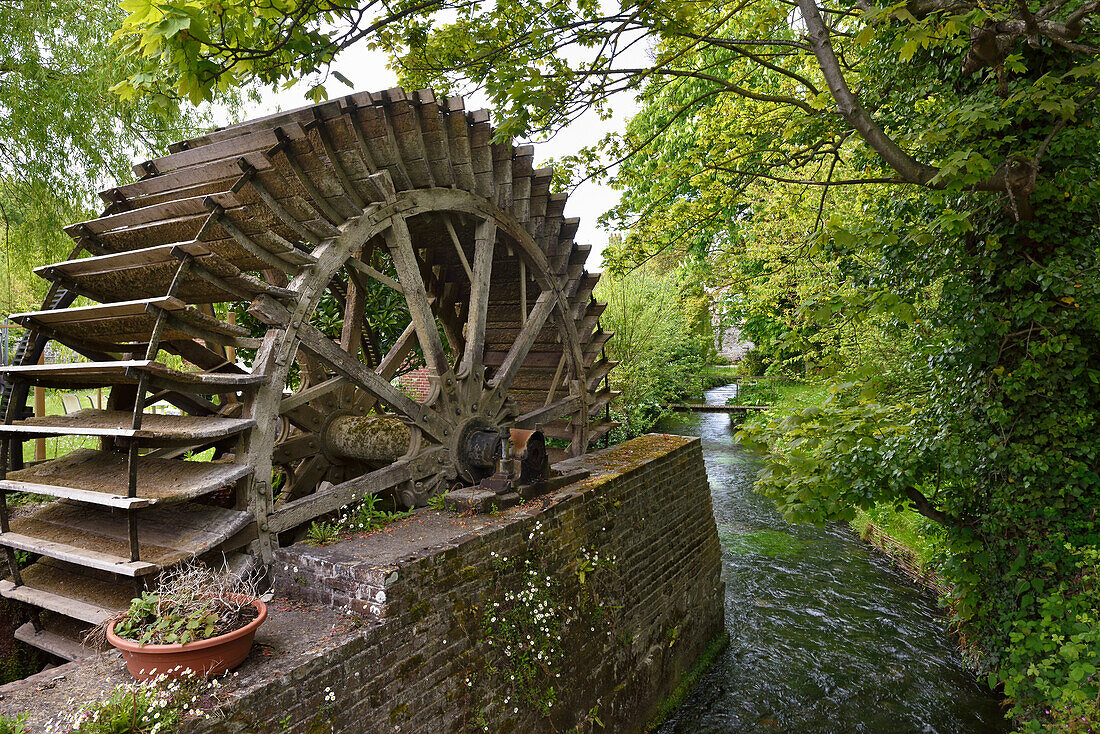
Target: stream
[[825, 634]]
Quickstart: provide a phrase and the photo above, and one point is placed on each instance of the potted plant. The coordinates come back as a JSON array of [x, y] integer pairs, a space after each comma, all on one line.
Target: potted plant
[[198, 621]]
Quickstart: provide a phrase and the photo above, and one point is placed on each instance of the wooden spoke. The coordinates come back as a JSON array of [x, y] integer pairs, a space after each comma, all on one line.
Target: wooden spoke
[[302, 480], [458, 246], [401, 349], [479, 296], [394, 358], [370, 272], [553, 411], [351, 335], [400, 244], [311, 393]]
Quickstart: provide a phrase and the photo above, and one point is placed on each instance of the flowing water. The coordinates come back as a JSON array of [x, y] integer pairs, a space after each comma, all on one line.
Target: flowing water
[[825, 635]]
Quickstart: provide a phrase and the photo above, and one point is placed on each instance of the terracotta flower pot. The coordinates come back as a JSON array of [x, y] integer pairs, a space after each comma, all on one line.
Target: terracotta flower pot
[[202, 657]]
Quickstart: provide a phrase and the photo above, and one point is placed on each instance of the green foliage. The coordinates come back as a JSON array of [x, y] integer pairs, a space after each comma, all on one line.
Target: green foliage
[[365, 517], [1054, 653], [13, 725], [157, 706], [147, 622], [660, 347], [369, 515], [192, 602], [129, 710], [322, 533], [526, 626]]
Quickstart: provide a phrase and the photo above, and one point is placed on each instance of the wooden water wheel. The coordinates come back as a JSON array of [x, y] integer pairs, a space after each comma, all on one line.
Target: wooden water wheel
[[305, 218]]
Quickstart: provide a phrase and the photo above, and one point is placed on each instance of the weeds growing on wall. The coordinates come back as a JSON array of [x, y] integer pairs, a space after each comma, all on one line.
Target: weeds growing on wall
[[528, 626], [365, 517]]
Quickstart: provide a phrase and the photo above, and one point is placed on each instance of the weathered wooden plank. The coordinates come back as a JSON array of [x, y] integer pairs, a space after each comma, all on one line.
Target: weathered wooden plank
[[125, 372], [156, 429], [70, 553], [370, 272], [548, 413], [317, 197], [75, 608], [515, 357], [333, 497], [168, 533], [481, 154], [522, 165], [80, 495], [101, 478], [53, 640], [434, 133], [701, 408], [458, 139], [403, 127], [324, 138], [262, 139], [399, 242], [502, 175], [183, 183], [312, 392]]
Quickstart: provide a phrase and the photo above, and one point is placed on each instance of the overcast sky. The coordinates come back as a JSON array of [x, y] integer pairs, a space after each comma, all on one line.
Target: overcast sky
[[368, 71]]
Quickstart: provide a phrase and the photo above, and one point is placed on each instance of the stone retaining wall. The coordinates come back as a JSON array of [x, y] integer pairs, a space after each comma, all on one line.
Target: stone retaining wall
[[632, 560]]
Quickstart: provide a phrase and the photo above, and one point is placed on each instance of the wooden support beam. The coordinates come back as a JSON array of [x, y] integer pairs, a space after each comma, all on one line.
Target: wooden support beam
[[548, 413], [370, 272], [479, 295], [458, 246], [333, 497], [399, 242]]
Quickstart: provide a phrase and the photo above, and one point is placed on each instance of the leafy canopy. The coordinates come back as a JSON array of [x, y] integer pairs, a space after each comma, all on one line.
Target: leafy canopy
[[63, 133]]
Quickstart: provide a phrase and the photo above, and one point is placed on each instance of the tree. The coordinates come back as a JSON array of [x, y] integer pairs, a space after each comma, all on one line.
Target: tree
[[659, 346], [978, 116], [63, 132]]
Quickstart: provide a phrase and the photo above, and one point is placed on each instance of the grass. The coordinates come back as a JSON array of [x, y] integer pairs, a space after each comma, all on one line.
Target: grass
[[911, 530], [795, 396]]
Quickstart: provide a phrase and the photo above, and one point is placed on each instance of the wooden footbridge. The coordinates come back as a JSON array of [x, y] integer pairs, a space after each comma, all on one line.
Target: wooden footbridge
[[305, 219], [704, 408]]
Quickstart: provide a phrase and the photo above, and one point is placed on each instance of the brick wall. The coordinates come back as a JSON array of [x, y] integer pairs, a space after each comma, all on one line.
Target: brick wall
[[417, 384], [431, 660]]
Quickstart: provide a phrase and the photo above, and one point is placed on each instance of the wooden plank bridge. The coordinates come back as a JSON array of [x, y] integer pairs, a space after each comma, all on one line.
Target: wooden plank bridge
[[704, 408]]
